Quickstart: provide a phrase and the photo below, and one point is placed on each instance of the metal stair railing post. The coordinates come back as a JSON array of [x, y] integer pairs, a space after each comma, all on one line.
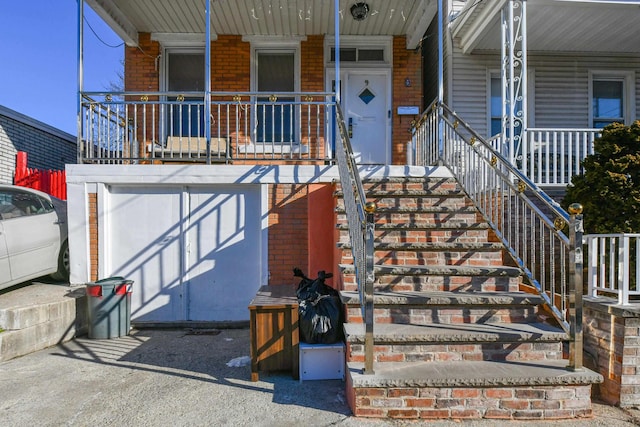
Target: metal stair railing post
[[524, 218], [360, 219], [576, 282]]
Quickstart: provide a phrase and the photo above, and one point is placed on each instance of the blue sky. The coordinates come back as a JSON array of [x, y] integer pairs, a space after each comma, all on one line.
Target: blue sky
[[38, 59]]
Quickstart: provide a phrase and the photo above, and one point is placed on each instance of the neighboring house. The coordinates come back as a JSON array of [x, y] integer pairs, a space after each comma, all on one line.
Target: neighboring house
[[151, 205], [46, 146], [570, 68]]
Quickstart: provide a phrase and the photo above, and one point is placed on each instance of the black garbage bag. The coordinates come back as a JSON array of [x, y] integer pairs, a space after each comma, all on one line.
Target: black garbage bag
[[320, 312]]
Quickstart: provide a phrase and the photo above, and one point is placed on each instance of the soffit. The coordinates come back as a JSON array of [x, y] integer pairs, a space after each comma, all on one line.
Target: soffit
[[266, 17], [557, 26]]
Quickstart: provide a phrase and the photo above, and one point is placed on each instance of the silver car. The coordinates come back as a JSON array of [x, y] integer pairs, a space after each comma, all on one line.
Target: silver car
[[33, 236]]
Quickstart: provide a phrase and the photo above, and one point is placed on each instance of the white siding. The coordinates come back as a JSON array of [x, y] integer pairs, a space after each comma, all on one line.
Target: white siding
[[560, 89]]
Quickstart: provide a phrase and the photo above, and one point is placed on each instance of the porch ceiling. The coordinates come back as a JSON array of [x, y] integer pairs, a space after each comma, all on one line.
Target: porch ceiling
[[265, 17], [555, 26]]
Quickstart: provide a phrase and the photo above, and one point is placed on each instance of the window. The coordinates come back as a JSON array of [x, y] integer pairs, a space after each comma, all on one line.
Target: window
[[352, 54], [496, 106], [185, 74], [275, 120], [17, 203], [607, 102], [611, 94], [495, 103]]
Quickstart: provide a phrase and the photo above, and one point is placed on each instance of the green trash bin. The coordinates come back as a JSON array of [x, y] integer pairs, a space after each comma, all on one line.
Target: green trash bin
[[109, 307]]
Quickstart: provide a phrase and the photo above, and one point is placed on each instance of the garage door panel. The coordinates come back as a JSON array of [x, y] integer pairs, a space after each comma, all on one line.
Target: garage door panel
[[224, 257], [146, 227]]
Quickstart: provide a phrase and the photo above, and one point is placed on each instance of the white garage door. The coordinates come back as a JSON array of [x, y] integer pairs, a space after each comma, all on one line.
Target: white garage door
[[194, 253]]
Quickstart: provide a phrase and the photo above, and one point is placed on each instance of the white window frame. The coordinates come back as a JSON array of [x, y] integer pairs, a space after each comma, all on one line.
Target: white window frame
[[370, 42], [628, 89], [531, 96], [171, 46], [271, 44]]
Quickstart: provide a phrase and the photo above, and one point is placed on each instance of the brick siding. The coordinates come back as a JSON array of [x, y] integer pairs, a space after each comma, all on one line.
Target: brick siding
[[612, 348], [288, 239], [407, 64], [520, 403], [93, 235], [47, 147]]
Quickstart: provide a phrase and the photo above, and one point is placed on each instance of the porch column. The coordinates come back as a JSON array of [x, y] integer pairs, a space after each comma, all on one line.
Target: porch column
[[336, 30], [80, 58], [207, 81], [514, 78]]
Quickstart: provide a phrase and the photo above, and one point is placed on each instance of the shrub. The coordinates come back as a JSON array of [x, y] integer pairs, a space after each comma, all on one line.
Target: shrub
[[609, 190]]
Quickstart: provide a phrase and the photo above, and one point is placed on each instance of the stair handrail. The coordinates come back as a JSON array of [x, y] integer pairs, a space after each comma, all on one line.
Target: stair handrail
[[517, 210], [360, 220]]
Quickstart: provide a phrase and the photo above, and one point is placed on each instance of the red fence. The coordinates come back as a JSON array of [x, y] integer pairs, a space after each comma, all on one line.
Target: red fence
[[49, 181]]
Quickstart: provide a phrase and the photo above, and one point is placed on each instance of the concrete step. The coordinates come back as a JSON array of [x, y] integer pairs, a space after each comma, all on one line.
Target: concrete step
[[414, 199], [446, 298], [479, 389], [440, 307], [432, 278], [460, 342], [480, 247], [465, 333], [385, 184], [38, 316]]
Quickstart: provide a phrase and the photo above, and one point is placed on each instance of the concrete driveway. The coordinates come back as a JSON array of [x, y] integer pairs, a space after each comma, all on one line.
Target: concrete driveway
[[183, 378]]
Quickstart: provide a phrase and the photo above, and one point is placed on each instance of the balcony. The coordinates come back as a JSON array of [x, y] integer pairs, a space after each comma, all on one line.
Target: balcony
[[220, 128]]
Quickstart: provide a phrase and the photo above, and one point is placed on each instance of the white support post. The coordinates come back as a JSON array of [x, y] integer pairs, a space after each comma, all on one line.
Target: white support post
[[207, 81], [514, 77], [336, 9], [80, 58]]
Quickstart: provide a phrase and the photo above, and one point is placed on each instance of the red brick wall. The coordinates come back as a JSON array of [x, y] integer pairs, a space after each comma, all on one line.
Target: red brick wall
[[93, 236], [288, 224], [407, 64], [230, 64], [312, 64]]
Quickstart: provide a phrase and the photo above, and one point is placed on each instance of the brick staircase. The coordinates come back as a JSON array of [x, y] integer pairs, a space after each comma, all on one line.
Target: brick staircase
[[454, 336]]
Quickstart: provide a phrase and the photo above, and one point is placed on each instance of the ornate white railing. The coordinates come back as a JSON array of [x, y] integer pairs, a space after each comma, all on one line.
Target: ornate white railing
[[613, 265], [154, 127], [550, 157]]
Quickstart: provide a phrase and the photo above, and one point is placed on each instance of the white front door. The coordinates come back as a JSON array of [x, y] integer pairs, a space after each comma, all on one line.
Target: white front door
[[366, 105]]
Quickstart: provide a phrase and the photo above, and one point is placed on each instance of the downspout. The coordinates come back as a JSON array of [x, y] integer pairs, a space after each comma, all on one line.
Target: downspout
[[440, 78], [207, 81], [336, 8], [336, 29], [440, 53], [80, 59]]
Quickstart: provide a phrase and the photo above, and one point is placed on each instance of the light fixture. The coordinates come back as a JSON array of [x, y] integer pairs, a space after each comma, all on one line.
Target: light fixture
[[359, 11]]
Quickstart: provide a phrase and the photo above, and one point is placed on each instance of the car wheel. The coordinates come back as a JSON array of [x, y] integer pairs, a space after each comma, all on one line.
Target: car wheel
[[63, 264]]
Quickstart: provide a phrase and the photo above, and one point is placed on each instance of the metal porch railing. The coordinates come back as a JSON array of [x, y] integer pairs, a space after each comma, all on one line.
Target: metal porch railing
[[613, 265], [360, 218], [530, 224], [137, 127], [550, 157]]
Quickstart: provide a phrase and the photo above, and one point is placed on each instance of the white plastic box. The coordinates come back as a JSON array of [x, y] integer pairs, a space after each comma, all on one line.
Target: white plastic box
[[321, 361]]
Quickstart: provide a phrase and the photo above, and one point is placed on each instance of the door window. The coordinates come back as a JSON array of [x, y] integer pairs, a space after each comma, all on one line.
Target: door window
[[185, 74], [275, 117]]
